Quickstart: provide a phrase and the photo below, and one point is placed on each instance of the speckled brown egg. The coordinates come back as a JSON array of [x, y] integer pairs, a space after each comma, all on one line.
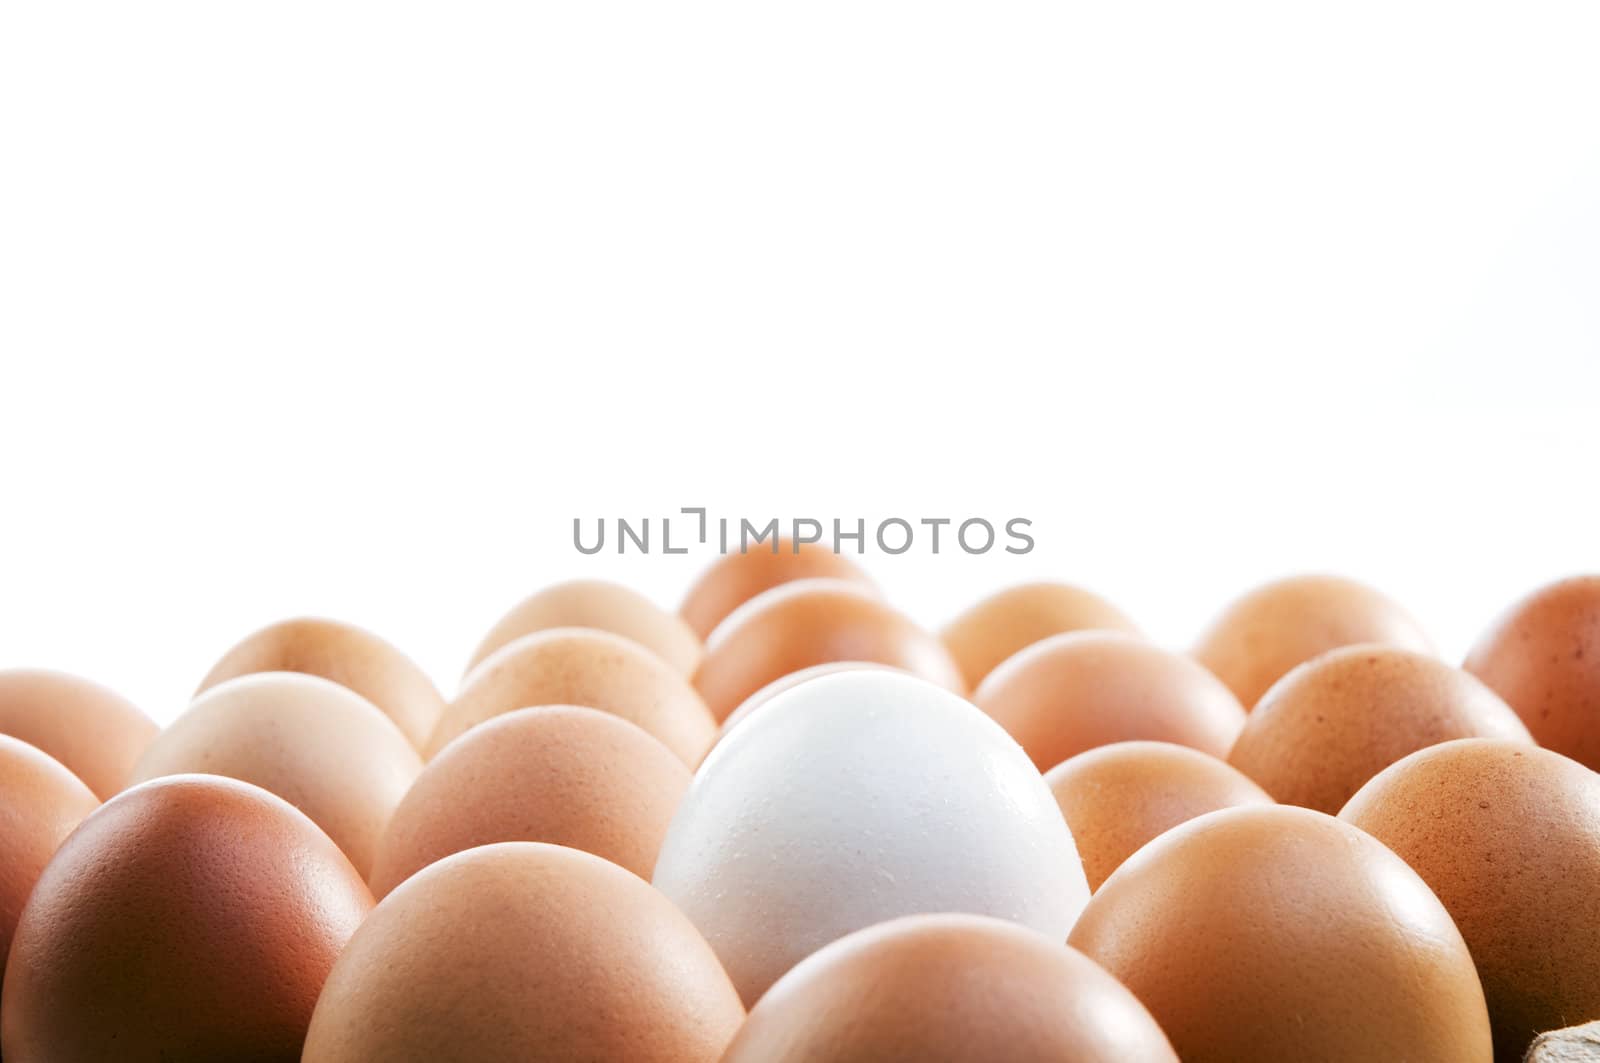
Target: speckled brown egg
[[1508, 836], [605, 607], [1271, 933], [1003, 623], [561, 774], [734, 579], [1336, 721], [811, 622], [95, 733], [320, 746], [347, 655], [1116, 798], [525, 951], [594, 669], [1073, 692], [189, 920], [1543, 657], [1262, 635], [948, 988]]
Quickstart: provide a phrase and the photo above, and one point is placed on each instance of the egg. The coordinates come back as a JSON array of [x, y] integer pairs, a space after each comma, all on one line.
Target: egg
[[948, 987], [1072, 692], [188, 920], [524, 950], [1337, 720], [1543, 657], [811, 622], [347, 655], [854, 798], [594, 669], [1004, 623], [1270, 933], [605, 607], [95, 733], [1116, 798], [322, 747], [1262, 635], [1508, 836], [734, 579], [787, 682], [561, 774]]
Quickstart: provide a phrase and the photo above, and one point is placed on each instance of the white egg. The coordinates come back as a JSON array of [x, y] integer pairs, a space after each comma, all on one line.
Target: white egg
[[858, 797]]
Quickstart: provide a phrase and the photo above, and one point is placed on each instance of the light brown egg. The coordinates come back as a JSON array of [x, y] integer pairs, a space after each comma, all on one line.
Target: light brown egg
[[1073, 692], [605, 607], [788, 682], [347, 655], [525, 951], [320, 746], [811, 622], [561, 774], [95, 733], [734, 579], [1508, 836], [948, 987], [1003, 623], [1271, 933], [1336, 721], [190, 919], [1543, 657], [594, 669], [1262, 635], [1116, 798]]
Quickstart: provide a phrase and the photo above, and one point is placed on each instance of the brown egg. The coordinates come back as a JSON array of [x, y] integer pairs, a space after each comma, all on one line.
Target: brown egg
[[1073, 692], [734, 579], [1262, 635], [322, 747], [525, 951], [1116, 798], [1000, 625], [788, 682], [1336, 721], [948, 987], [1273, 933], [1508, 836], [1543, 657], [605, 607], [189, 920], [96, 734], [595, 669], [811, 622], [347, 655], [570, 776]]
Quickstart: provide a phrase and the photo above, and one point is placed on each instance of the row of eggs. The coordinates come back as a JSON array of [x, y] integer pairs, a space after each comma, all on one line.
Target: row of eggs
[[513, 833]]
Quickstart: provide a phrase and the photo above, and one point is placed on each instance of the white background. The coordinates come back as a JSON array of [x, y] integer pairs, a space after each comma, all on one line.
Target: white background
[[351, 308]]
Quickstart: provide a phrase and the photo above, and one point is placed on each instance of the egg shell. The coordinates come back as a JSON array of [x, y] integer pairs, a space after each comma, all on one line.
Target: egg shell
[[735, 578], [1003, 623], [95, 733], [561, 774], [1337, 720], [1073, 692], [812, 622], [1117, 798], [855, 798], [320, 746], [946, 989], [1259, 637], [1272, 933], [1508, 836], [790, 681], [605, 607], [524, 950], [594, 669], [1543, 657], [188, 920], [347, 655]]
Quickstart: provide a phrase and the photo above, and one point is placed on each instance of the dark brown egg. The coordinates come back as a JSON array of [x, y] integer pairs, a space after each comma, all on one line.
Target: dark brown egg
[[96, 734], [734, 579], [189, 920], [605, 607], [1000, 625], [1508, 836]]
